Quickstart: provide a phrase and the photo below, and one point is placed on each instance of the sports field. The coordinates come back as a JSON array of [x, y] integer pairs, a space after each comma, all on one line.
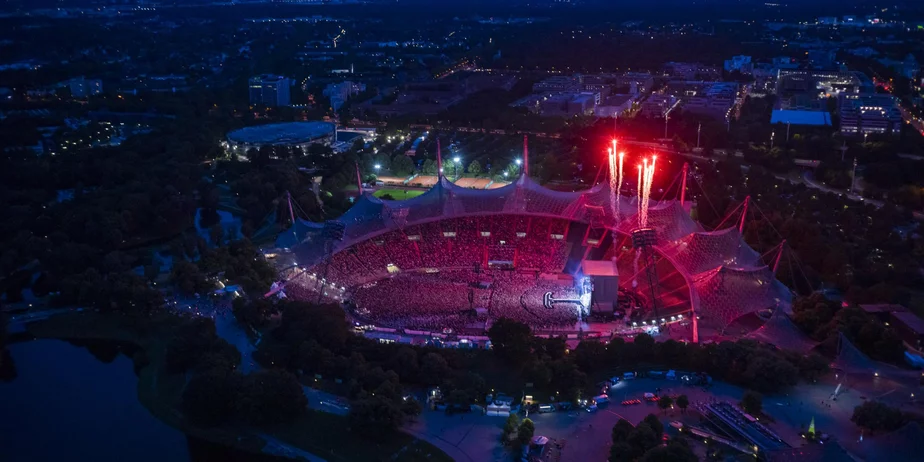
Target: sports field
[[397, 194]]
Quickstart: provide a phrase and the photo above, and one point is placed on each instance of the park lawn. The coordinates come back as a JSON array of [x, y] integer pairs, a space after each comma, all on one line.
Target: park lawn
[[398, 194]]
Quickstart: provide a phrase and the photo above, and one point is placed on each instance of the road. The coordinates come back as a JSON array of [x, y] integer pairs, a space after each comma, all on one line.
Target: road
[[910, 118]]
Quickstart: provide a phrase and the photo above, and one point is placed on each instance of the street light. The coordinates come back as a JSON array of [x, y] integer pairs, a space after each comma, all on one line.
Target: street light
[[456, 159], [519, 163], [377, 167]]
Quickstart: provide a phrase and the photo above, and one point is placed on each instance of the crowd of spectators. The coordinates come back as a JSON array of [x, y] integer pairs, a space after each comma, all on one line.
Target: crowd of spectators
[[520, 297], [385, 279]]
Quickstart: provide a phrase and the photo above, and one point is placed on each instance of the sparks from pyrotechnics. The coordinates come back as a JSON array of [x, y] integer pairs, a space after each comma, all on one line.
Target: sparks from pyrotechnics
[[615, 178], [646, 186], [638, 196]]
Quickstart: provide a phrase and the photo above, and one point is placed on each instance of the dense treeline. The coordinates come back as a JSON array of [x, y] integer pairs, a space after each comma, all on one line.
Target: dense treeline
[[316, 340], [217, 393], [824, 320]]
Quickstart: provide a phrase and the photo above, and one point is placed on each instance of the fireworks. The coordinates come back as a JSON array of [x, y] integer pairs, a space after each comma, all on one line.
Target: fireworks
[[649, 170], [615, 159]]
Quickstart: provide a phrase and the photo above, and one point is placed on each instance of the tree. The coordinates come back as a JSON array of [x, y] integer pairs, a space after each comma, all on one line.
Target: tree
[[621, 430], [622, 452], [216, 234], [187, 278], [208, 396], [511, 340], [655, 423], [676, 450], [433, 368], [270, 397], [642, 438], [683, 402], [510, 426], [752, 402], [665, 403], [402, 165], [875, 416], [375, 417], [525, 431], [474, 168]]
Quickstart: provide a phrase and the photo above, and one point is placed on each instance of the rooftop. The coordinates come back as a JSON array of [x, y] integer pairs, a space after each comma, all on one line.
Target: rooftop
[[882, 308], [911, 320], [282, 133]]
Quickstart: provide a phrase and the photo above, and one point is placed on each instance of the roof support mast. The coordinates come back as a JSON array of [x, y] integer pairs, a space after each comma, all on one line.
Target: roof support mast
[[744, 214], [439, 159], [359, 180], [776, 263], [525, 156], [683, 183]]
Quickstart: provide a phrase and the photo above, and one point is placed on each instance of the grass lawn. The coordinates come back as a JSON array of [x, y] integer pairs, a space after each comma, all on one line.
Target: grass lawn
[[398, 194]]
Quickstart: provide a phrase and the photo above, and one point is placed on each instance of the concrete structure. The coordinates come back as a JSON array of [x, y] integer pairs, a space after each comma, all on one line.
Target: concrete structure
[[340, 93], [615, 105], [558, 84], [569, 104], [270, 90], [290, 134], [872, 113], [658, 106], [711, 99], [910, 327], [638, 82], [692, 71]]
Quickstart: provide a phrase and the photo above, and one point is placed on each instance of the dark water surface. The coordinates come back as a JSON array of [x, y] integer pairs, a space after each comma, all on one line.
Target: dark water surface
[[67, 403]]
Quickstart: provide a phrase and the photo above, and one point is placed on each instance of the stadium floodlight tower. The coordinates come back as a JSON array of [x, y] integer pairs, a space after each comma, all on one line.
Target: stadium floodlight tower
[[643, 239]]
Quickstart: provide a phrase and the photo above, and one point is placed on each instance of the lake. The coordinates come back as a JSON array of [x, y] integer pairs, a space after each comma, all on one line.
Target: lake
[[66, 403]]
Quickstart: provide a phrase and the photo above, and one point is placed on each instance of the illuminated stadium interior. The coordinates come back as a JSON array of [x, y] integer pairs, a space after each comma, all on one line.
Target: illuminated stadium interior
[[457, 258]]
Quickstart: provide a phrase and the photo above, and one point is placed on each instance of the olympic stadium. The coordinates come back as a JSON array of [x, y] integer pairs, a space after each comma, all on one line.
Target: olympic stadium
[[290, 134], [457, 259]]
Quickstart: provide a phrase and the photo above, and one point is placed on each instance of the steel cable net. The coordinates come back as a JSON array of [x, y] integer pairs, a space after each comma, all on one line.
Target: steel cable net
[[779, 330], [726, 294], [668, 218], [851, 359], [705, 251]]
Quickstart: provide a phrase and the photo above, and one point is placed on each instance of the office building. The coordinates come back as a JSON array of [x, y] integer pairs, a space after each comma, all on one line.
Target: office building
[[658, 106], [557, 84], [615, 105], [270, 90], [869, 113], [340, 93], [638, 82]]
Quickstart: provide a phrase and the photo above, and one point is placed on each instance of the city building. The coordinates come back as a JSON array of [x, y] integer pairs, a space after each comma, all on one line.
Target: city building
[[288, 134], [711, 99], [560, 83], [569, 104], [869, 113], [658, 106], [615, 105], [910, 327], [82, 87], [270, 90], [741, 64], [692, 71], [340, 93], [638, 82]]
